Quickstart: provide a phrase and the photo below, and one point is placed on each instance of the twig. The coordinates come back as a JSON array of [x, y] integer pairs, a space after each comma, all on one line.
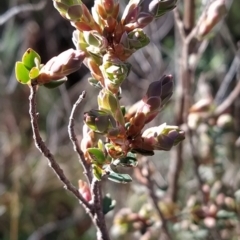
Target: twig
[[96, 204], [189, 16], [196, 161], [99, 219], [74, 140], [46, 152], [150, 186], [227, 79], [18, 9], [184, 87], [228, 101], [179, 24]]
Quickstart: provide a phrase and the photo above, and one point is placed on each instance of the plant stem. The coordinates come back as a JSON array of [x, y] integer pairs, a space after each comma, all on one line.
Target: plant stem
[[74, 140], [99, 219], [46, 152]]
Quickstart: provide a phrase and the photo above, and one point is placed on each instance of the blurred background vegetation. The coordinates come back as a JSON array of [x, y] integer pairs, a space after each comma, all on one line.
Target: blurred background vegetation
[[33, 204]]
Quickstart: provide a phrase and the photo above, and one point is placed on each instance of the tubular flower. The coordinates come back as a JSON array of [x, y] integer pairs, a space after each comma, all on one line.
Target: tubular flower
[[163, 137], [105, 13], [157, 95], [139, 13], [76, 12], [60, 66]]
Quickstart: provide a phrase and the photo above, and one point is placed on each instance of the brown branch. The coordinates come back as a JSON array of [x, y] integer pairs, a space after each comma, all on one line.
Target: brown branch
[[228, 101], [189, 16], [183, 101], [46, 152], [94, 209], [150, 185], [99, 219], [196, 161], [179, 24], [74, 140], [221, 93]]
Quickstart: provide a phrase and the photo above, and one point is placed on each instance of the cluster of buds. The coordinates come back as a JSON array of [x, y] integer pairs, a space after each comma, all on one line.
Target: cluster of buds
[[112, 136], [107, 40], [219, 211], [126, 221], [124, 130]]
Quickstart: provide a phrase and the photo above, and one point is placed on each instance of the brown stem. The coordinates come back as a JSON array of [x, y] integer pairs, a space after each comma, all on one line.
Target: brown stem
[[196, 161], [174, 172], [150, 185], [74, 140], [229, 100], [98, 216], [99, 219], [95, 208], [189, 15], [46, 152], [184, 85]]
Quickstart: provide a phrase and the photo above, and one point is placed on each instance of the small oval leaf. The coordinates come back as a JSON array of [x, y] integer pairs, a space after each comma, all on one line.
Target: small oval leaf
[[34, 72], [97, 155], [22, 73], [119, 178], [129, 161], [97, 172], [55, 83], [28, 58], [108, 204]]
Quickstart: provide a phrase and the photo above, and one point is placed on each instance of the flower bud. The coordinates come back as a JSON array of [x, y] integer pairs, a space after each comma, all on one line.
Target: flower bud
[[215, 13], [114, 71], [105, 13], [163, 137], [58, 67], [225, 121], [84, 190], [157, 95], [95, 70], [76, 12], [99, 121], [203, 105], [133, 17], [114, 151], [89, 140], [137, 123], [139, 14], [134, 40], [108, 102], [64, 5], [158, 8], [97, 44]]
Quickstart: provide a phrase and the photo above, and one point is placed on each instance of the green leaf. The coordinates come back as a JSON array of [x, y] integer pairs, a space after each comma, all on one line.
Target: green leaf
[[108, 204], [119, 178], [22, 73], [34, 72], [97, 172], [97, 155], [101, 145], [225, 214], [55, 83], [129, 161], [95, 83], [28, 58]]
